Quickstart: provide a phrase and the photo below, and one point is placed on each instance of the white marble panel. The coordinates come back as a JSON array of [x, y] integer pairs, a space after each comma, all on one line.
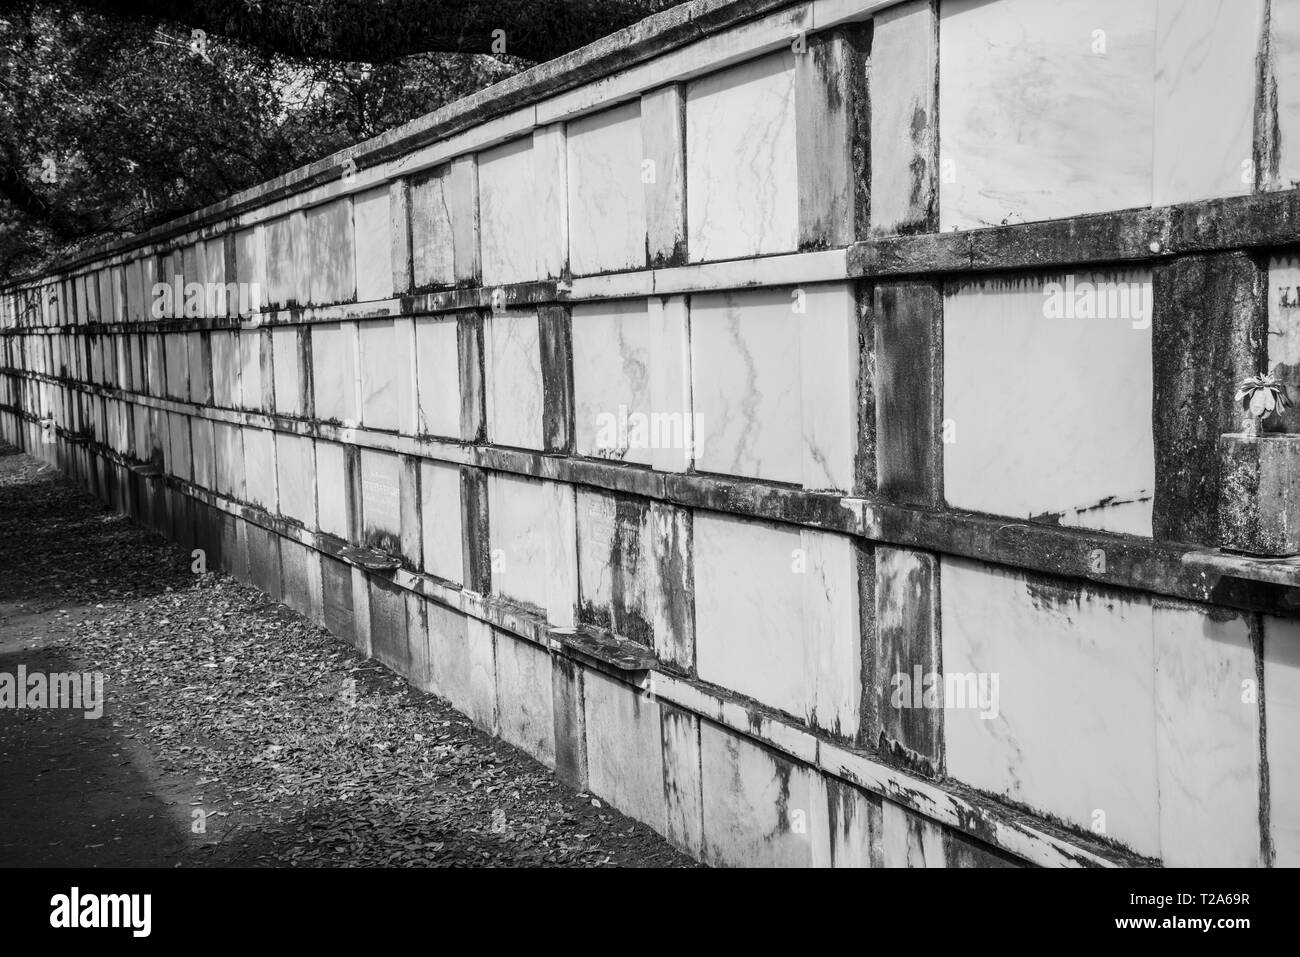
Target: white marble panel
[[373, 263], [776, 617], [178, 366], [1282, 724], [387, 354], [513, 374], [259, 467], [771, 384], [1073, 730], [517, 535], [229, 455], [288, 395], [441, 522], [1205, 67], [284, 245], [381, 498], [611, 383], [1049, 416], [1207, 738], [1284, 40], [250, 270], [295, 463], [533, 541], [740, 161], [251, 343], [203, 444], [438, 376], [507, 206], [226, 362], [758, 808], [335, 385], [525, 707], [607, 219], [432, 254], [624, 749], [1045, 109], [670, 379], [179, 463], [332, 489], [331, 262]]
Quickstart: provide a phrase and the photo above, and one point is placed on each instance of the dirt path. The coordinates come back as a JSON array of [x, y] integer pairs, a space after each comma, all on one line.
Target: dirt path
[[234, 731]]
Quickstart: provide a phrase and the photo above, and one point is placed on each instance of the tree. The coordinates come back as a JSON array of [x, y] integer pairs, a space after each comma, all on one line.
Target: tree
[[116, 115]]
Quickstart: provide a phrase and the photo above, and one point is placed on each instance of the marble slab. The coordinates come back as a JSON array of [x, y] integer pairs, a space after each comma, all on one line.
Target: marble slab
[[335, 382], [908, 840], [904, 49], [438, 376], [214, 278], [1079, 391], [251, 344], [740, 161], [179, 462], [670, 381], [625, 762], [331, 261], [295, 464], [769, 384], [511, 233], [280, 236], [607, 217], [203, 444], [387, 397], [332, 489], [1205, 66], [259, 466], [613, 413], [226, 362], [525, 707], [250, 269], [230, 464], [287, 352], [513, 379], [615, 564], [441, 520], [373, 229], [1207, 738], [757, 806], [1282, 721], [381, 499], [517, 537], [1284, 39], [178, 366], [432, 251], [1045, 110], [1073, 733], [776, 618]]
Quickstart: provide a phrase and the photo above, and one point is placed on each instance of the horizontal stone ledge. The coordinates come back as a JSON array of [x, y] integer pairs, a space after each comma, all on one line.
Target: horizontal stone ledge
[[1096, 239], [1173, 570], [978, 815], [1123, 237]]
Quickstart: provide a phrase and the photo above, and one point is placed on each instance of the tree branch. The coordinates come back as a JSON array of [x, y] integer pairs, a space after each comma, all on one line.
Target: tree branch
[[377, 31]]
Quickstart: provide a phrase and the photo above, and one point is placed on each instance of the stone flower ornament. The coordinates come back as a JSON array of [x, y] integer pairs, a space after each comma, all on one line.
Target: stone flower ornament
[[1262, 396]]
